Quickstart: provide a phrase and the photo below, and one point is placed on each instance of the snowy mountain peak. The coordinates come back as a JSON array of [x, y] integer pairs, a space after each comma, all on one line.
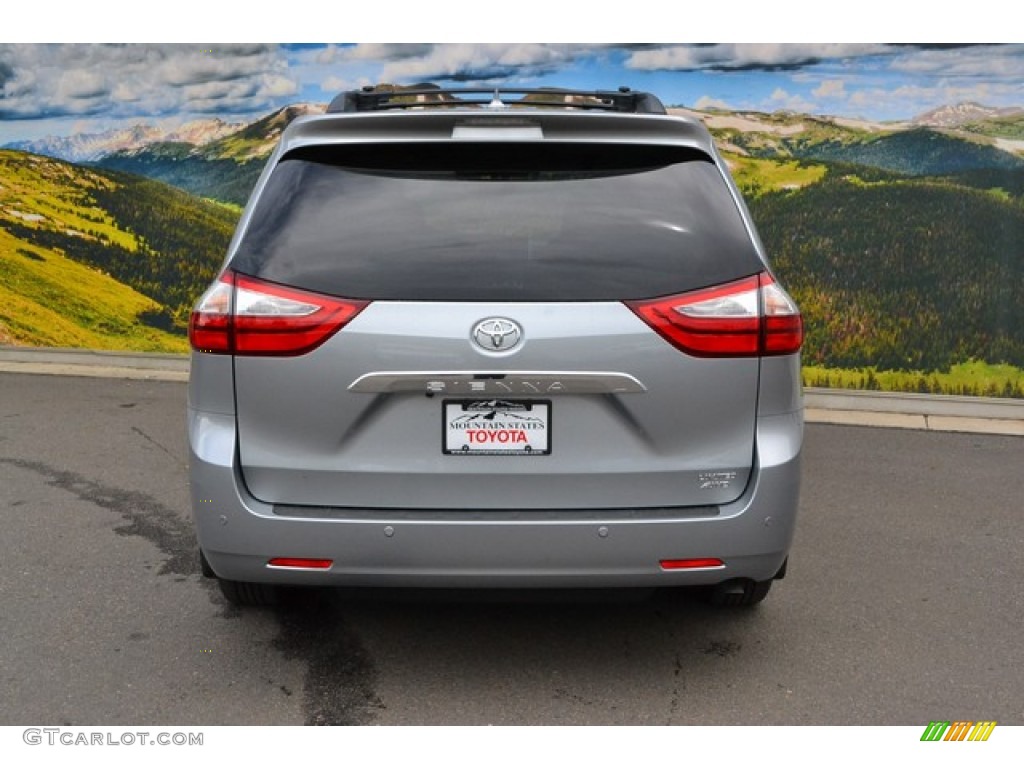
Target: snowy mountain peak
[[87, 147], [956, 115]]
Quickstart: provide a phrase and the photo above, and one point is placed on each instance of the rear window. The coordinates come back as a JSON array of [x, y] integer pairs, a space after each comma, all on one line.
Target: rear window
[[496, 222]]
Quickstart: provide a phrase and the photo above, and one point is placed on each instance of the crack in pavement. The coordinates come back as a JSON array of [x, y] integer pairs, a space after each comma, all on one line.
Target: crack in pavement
[[159, 445]]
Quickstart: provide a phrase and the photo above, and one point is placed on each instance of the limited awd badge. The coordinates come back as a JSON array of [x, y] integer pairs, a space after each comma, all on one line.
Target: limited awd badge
[[497, 334]]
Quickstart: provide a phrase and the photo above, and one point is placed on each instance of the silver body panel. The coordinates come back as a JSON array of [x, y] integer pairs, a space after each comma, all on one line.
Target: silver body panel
[[464, 548], [307, 438]]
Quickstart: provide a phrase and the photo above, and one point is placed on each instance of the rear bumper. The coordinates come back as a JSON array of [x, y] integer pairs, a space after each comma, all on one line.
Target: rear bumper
[[403, 548]]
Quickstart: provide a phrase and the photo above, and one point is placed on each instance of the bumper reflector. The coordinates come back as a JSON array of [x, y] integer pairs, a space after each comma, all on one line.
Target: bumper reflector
[[693, 562], [299, 562]]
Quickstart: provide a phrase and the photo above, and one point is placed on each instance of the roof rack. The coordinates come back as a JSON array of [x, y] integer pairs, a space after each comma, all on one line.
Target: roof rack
[[373, 98]]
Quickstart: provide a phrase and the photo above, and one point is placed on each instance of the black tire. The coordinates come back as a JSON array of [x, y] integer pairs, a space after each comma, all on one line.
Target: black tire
[[204, 566], [247, 594], [738, 593]]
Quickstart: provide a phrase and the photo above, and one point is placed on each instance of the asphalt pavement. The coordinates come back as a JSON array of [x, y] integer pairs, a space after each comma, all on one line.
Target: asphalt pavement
[[902, 603]]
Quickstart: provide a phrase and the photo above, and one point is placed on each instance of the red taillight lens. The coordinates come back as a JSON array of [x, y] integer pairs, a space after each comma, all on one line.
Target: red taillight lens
[[692, 562], [209, 327], [300, 562], [723, 321], [783, 326], [242, 315], [748, 317], [271, 319]]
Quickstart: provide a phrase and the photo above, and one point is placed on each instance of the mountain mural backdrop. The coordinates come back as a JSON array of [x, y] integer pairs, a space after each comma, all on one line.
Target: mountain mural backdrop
[[903, 242]]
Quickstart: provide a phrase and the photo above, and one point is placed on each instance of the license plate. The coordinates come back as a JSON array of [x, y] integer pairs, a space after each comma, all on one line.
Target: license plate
[[497, 427]]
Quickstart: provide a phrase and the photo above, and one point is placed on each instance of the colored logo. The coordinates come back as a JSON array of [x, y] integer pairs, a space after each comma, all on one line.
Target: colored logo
[[959, 730]]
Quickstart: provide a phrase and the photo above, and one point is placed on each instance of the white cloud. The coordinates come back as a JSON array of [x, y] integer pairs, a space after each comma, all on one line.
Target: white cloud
[[830, 89], [335, 83], [386, 51], [278, 86], [326, 55], [462, 61], [81, 84], [987, 62], [782, 99], [141, 80], [152, 82], [739, 56]]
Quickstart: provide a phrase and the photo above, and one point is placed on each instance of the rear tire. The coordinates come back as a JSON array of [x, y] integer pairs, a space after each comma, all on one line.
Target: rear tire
[[204, 566], [247, 594], [738, 593]]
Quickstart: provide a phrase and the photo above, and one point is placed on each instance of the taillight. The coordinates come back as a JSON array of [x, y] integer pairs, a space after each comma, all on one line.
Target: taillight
[[300, 562], [242, 315], [783, 326], [209, 327], [690, 563], [748, 317]]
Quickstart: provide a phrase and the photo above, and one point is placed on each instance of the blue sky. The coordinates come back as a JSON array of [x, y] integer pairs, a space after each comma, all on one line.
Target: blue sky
[[62, 89]]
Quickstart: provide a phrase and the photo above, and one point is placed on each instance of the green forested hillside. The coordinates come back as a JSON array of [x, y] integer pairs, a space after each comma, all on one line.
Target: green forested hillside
[[900, 274], [920, 152], [1004, 181], [1007, 126], [218, 178], [910, 274], [100, 259]]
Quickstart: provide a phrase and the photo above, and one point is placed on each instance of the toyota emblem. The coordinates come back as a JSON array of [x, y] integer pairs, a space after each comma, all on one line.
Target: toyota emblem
[[497, 334]]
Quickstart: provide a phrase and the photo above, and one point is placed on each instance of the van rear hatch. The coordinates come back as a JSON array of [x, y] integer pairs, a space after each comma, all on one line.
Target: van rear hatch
[[439, 249]]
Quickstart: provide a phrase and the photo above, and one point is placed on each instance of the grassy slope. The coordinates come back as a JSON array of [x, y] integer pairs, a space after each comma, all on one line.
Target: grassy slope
[[755, 175], [47, 298], [1008, 127], [40, 191], [972, 378]]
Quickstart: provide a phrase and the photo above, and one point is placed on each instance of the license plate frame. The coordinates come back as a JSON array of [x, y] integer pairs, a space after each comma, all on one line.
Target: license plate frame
[[496, 427]]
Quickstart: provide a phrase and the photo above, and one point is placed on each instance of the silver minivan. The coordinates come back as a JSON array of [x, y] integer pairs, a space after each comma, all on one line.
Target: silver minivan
[[513, 339]]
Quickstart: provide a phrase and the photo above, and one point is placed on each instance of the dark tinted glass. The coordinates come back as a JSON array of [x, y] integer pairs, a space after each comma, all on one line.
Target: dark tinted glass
[[497, 222]]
